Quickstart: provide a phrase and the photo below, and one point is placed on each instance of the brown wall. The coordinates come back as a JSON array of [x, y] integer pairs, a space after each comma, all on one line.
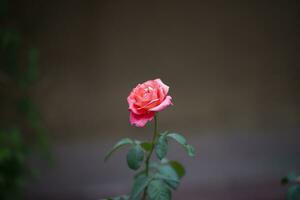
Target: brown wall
[[230, 66]]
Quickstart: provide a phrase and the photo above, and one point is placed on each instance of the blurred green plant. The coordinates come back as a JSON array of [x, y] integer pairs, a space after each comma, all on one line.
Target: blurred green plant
[[21, 129], [293, 182]]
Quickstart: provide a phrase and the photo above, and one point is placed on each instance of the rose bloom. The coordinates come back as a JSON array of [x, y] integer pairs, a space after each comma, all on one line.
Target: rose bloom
[[146, 99]]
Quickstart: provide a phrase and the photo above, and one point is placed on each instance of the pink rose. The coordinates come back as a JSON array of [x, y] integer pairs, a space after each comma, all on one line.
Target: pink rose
[[146, 99]]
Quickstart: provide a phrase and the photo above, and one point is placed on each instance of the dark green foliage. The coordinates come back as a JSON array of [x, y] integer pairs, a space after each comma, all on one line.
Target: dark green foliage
[[124, 197], [179, 138], [13, 169], [162, 176], [290, 178], [135, 157], [157, 190], [190, 150], [170, 172], [140, 183], [293, 180], [168, 178], [293, 192], [178, 168], [182, 141], [284, 181], [118, 145], [161, 147], [146, 146], [21, 129]]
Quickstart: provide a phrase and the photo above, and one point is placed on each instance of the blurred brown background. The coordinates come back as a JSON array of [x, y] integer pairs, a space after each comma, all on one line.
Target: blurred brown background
[[233, 69]]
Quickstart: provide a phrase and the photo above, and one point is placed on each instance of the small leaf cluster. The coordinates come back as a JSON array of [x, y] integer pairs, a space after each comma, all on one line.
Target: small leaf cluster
[[162, 144], [135, 155], [293, 182], [162, 177]]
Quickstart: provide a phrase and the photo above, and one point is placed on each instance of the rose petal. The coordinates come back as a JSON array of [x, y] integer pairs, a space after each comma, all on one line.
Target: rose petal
[[161, 94], [140, 120], [131, 103], [167, 102], [164, 86]]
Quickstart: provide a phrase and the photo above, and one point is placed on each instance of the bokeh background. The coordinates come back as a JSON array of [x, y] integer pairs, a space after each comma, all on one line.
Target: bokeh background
[[233, 71]]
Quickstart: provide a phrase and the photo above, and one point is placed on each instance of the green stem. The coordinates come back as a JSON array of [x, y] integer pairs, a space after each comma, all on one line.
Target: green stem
[[153, 143]]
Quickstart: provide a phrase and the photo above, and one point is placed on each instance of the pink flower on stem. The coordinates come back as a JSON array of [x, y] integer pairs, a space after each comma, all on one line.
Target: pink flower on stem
[[146, 99]]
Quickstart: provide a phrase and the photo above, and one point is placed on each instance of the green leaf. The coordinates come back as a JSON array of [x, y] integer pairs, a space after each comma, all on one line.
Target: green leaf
[[178, 168], [124, 197], [157, 190], [140, 183], [170, 175], [182, 141], [170, 181], [119, 144], [135, 157], [140, 173], [293, 192], [146, 146], [191, 150], [161, 147], [178, 138], [169, 171]]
